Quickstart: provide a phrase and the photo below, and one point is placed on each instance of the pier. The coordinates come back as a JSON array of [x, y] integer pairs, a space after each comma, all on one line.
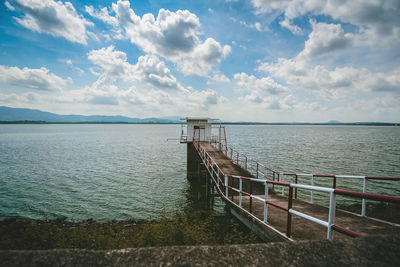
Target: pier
[[268, 202]]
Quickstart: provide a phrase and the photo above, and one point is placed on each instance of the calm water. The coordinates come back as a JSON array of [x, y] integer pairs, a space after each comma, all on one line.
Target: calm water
[[121, 172]]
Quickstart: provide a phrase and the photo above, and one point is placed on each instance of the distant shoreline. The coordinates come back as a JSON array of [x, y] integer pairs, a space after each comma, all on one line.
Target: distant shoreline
[[224, 123]]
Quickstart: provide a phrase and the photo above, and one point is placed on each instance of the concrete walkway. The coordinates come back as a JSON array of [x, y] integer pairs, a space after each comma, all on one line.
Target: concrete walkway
[[366, 251]]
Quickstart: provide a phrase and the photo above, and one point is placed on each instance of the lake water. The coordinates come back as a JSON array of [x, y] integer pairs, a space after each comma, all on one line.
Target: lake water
[[118, 171]]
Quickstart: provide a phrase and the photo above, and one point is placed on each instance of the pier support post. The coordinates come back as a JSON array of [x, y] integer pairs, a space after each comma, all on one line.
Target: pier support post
[[192, 162]]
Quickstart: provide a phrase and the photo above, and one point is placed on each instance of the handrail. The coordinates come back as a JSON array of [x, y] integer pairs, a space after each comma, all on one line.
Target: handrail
[[335, 177], [216, 174], [332, 202], [257, 170]]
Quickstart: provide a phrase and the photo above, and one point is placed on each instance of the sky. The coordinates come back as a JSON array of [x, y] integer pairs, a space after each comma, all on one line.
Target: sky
[[235, 60]]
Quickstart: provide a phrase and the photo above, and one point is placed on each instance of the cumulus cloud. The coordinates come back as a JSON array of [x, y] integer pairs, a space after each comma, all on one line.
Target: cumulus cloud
[[265, 84], [327, 84], [378, 18], [39, 79], [163, 88], [219, 78], [102, 14], [288, 24], [56, 18], [172, 35], [263, 91], [338, 83], [326, 38], [149, 69], [113, 63]]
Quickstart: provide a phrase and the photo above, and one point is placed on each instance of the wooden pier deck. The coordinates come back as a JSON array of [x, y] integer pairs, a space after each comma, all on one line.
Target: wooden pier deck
[[301, 229]]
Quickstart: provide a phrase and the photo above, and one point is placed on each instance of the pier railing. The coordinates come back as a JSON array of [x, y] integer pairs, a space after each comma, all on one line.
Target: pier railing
[[221, 180], [289, 208], [259, 170]]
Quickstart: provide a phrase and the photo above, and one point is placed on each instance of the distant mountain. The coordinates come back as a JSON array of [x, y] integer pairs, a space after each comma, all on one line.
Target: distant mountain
[[8, 114], [334, 122]]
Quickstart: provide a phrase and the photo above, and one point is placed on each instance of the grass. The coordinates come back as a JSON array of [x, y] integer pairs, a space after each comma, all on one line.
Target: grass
[[199, 228]]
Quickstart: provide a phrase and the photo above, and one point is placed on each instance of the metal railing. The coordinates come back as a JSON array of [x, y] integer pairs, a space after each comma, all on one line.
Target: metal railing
[[289, 209], [334, 179], [259, 170], [262, 171]]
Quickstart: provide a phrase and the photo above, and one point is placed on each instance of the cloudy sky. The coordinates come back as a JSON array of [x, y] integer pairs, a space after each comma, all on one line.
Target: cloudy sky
[[255, 60]]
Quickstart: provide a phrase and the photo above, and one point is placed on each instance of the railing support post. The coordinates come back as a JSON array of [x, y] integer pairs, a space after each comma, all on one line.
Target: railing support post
[[232, 185], [245, 162], [265, 202], [257, 170], [240, 193], [331, 218], [363, 200], [283, 188], [295, 190], [289, 215], [273, 179], [251, 193], [226, 185], [311, 192], [218, 176]]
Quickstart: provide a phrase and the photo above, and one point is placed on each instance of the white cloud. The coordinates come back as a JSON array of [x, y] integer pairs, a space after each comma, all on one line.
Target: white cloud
[[288, 24], [326, 38], [220, 78], [264, 92], [379, 18], [56, 18], [149, 69], [102, 14], [202, 59], [113, 63], [9, 6], [163, 91], [39, 79], [198, 100], [338, 83], [324, 82], [266, 84], [69, 63], [172, 35], [256, 25]]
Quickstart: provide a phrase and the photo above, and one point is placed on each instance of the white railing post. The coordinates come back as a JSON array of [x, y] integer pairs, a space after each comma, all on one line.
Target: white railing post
[[283, 180], [363, 200], [312, 192], [226, 185], [265, 202], [218, 176], [331, 218], [240, 193]]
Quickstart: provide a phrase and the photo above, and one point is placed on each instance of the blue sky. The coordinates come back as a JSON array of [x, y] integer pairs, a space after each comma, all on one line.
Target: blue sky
[[258, 60]]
